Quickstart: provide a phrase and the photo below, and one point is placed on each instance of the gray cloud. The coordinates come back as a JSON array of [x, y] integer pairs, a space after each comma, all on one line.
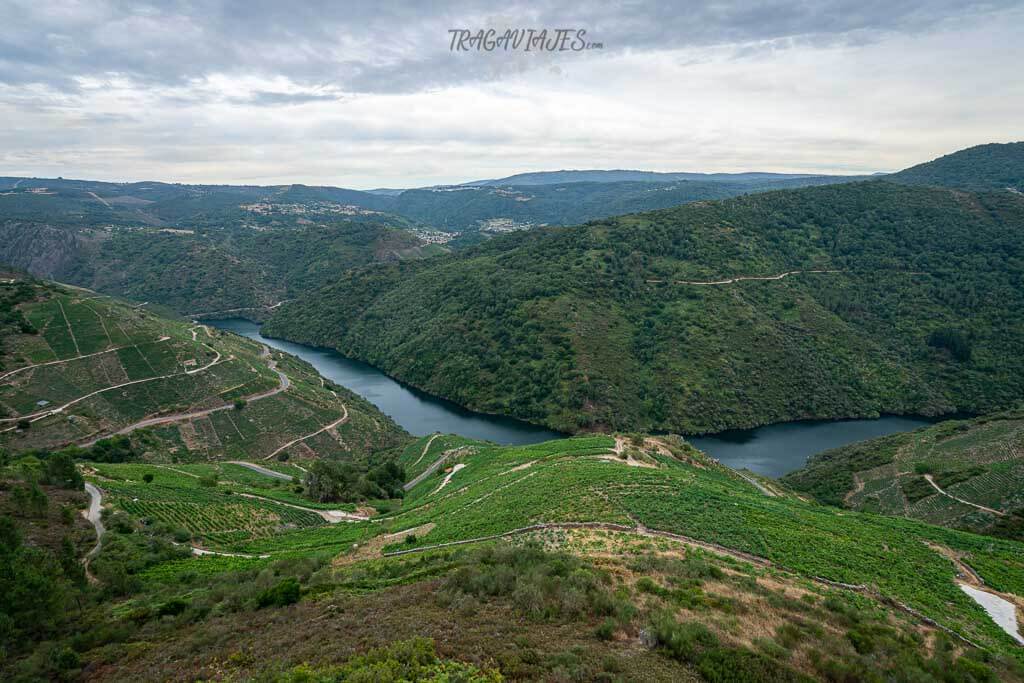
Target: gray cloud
[[373, 47], [367, 94]]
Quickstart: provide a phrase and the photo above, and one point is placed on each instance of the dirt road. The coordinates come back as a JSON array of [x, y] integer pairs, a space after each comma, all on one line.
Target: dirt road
[[931, 481]]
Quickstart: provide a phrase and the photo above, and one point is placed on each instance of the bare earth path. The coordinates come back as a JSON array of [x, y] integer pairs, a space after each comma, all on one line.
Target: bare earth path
[[858, 486], [343, 419], [756, 484], [931, 481], [741, 278], [426, 447], [330, 516], [70, 360]]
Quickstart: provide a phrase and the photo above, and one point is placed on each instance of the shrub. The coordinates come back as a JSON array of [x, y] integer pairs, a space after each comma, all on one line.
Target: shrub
[[285, 592], [172, 607], [683, 641], [606, 629]]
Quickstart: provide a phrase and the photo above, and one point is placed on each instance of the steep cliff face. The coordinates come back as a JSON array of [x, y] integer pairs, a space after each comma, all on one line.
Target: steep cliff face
[[45, 250]]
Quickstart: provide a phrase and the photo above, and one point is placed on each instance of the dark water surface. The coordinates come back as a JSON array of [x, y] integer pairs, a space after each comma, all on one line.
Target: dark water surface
[[773, 450], [419, 413], [777, 449]]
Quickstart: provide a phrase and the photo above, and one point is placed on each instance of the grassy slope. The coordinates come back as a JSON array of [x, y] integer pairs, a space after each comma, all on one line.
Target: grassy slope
[[107, 343], [565, 327], [579, 480], [979, 460]]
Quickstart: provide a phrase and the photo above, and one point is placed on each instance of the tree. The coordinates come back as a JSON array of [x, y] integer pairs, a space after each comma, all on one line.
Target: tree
[[954, 341], [147, 477], [331, 481], [60, 471]]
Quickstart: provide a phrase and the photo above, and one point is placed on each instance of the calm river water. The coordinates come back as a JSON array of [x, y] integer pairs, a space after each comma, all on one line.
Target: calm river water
[[773, 450]]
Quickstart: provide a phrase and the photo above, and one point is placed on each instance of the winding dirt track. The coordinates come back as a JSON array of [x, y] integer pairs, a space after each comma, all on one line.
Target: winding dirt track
[[931, 481], [425, 473], [70, 360], [92, 513], [426, 447], [343, 419], [34, 417], [283, 384], [741, 278], [329, 516], [261, 470]]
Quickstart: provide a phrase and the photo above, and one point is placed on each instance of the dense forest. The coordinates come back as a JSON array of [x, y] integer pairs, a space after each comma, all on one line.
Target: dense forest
[[985, 167], [601, 326]]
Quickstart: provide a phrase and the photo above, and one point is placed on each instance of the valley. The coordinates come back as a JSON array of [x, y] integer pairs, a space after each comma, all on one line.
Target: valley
[[578, 329], [468, 461]]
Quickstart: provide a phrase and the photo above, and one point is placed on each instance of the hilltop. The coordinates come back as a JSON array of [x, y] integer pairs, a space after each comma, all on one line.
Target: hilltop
[[985, 167], [838, 301], [601, 557], [619, 175], [210, 248], [964, 474], [78, 367]]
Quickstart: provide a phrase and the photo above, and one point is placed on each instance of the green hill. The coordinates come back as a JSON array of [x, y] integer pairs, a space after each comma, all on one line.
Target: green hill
[[78, 367], [208, 248], [985, 167], [839, 301], [591, 558], [963, 474]]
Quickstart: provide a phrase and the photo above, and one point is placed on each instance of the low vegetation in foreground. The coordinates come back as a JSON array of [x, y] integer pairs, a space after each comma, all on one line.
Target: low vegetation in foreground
[[592, 558]]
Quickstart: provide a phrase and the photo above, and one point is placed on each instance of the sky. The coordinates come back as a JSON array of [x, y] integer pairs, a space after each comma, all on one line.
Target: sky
[[371, 94]]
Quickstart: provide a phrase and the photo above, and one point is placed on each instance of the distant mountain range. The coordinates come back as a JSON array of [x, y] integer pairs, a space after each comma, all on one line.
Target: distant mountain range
[[203, 248], [617, 176]]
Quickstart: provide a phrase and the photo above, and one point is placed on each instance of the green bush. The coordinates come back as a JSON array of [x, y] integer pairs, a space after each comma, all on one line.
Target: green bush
[[683, 641], [285, 592]]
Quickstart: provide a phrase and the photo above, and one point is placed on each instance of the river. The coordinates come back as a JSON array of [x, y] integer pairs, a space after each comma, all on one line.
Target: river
[[772, 451]]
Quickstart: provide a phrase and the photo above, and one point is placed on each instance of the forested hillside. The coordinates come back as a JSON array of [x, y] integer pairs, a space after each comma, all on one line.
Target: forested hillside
[[839, 301], [210, 248], [985, 167]]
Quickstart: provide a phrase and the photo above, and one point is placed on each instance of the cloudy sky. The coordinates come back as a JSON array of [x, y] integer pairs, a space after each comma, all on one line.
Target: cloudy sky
[[370, 94]]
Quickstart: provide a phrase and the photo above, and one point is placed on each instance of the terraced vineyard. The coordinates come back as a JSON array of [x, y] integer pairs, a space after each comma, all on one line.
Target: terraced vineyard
[[964, 474], [665, 488], [193, 498], [84, 367]]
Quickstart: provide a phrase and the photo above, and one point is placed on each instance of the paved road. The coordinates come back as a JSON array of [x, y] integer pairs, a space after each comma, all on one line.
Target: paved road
[[93, 515], [425, 473], [262, 470]]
